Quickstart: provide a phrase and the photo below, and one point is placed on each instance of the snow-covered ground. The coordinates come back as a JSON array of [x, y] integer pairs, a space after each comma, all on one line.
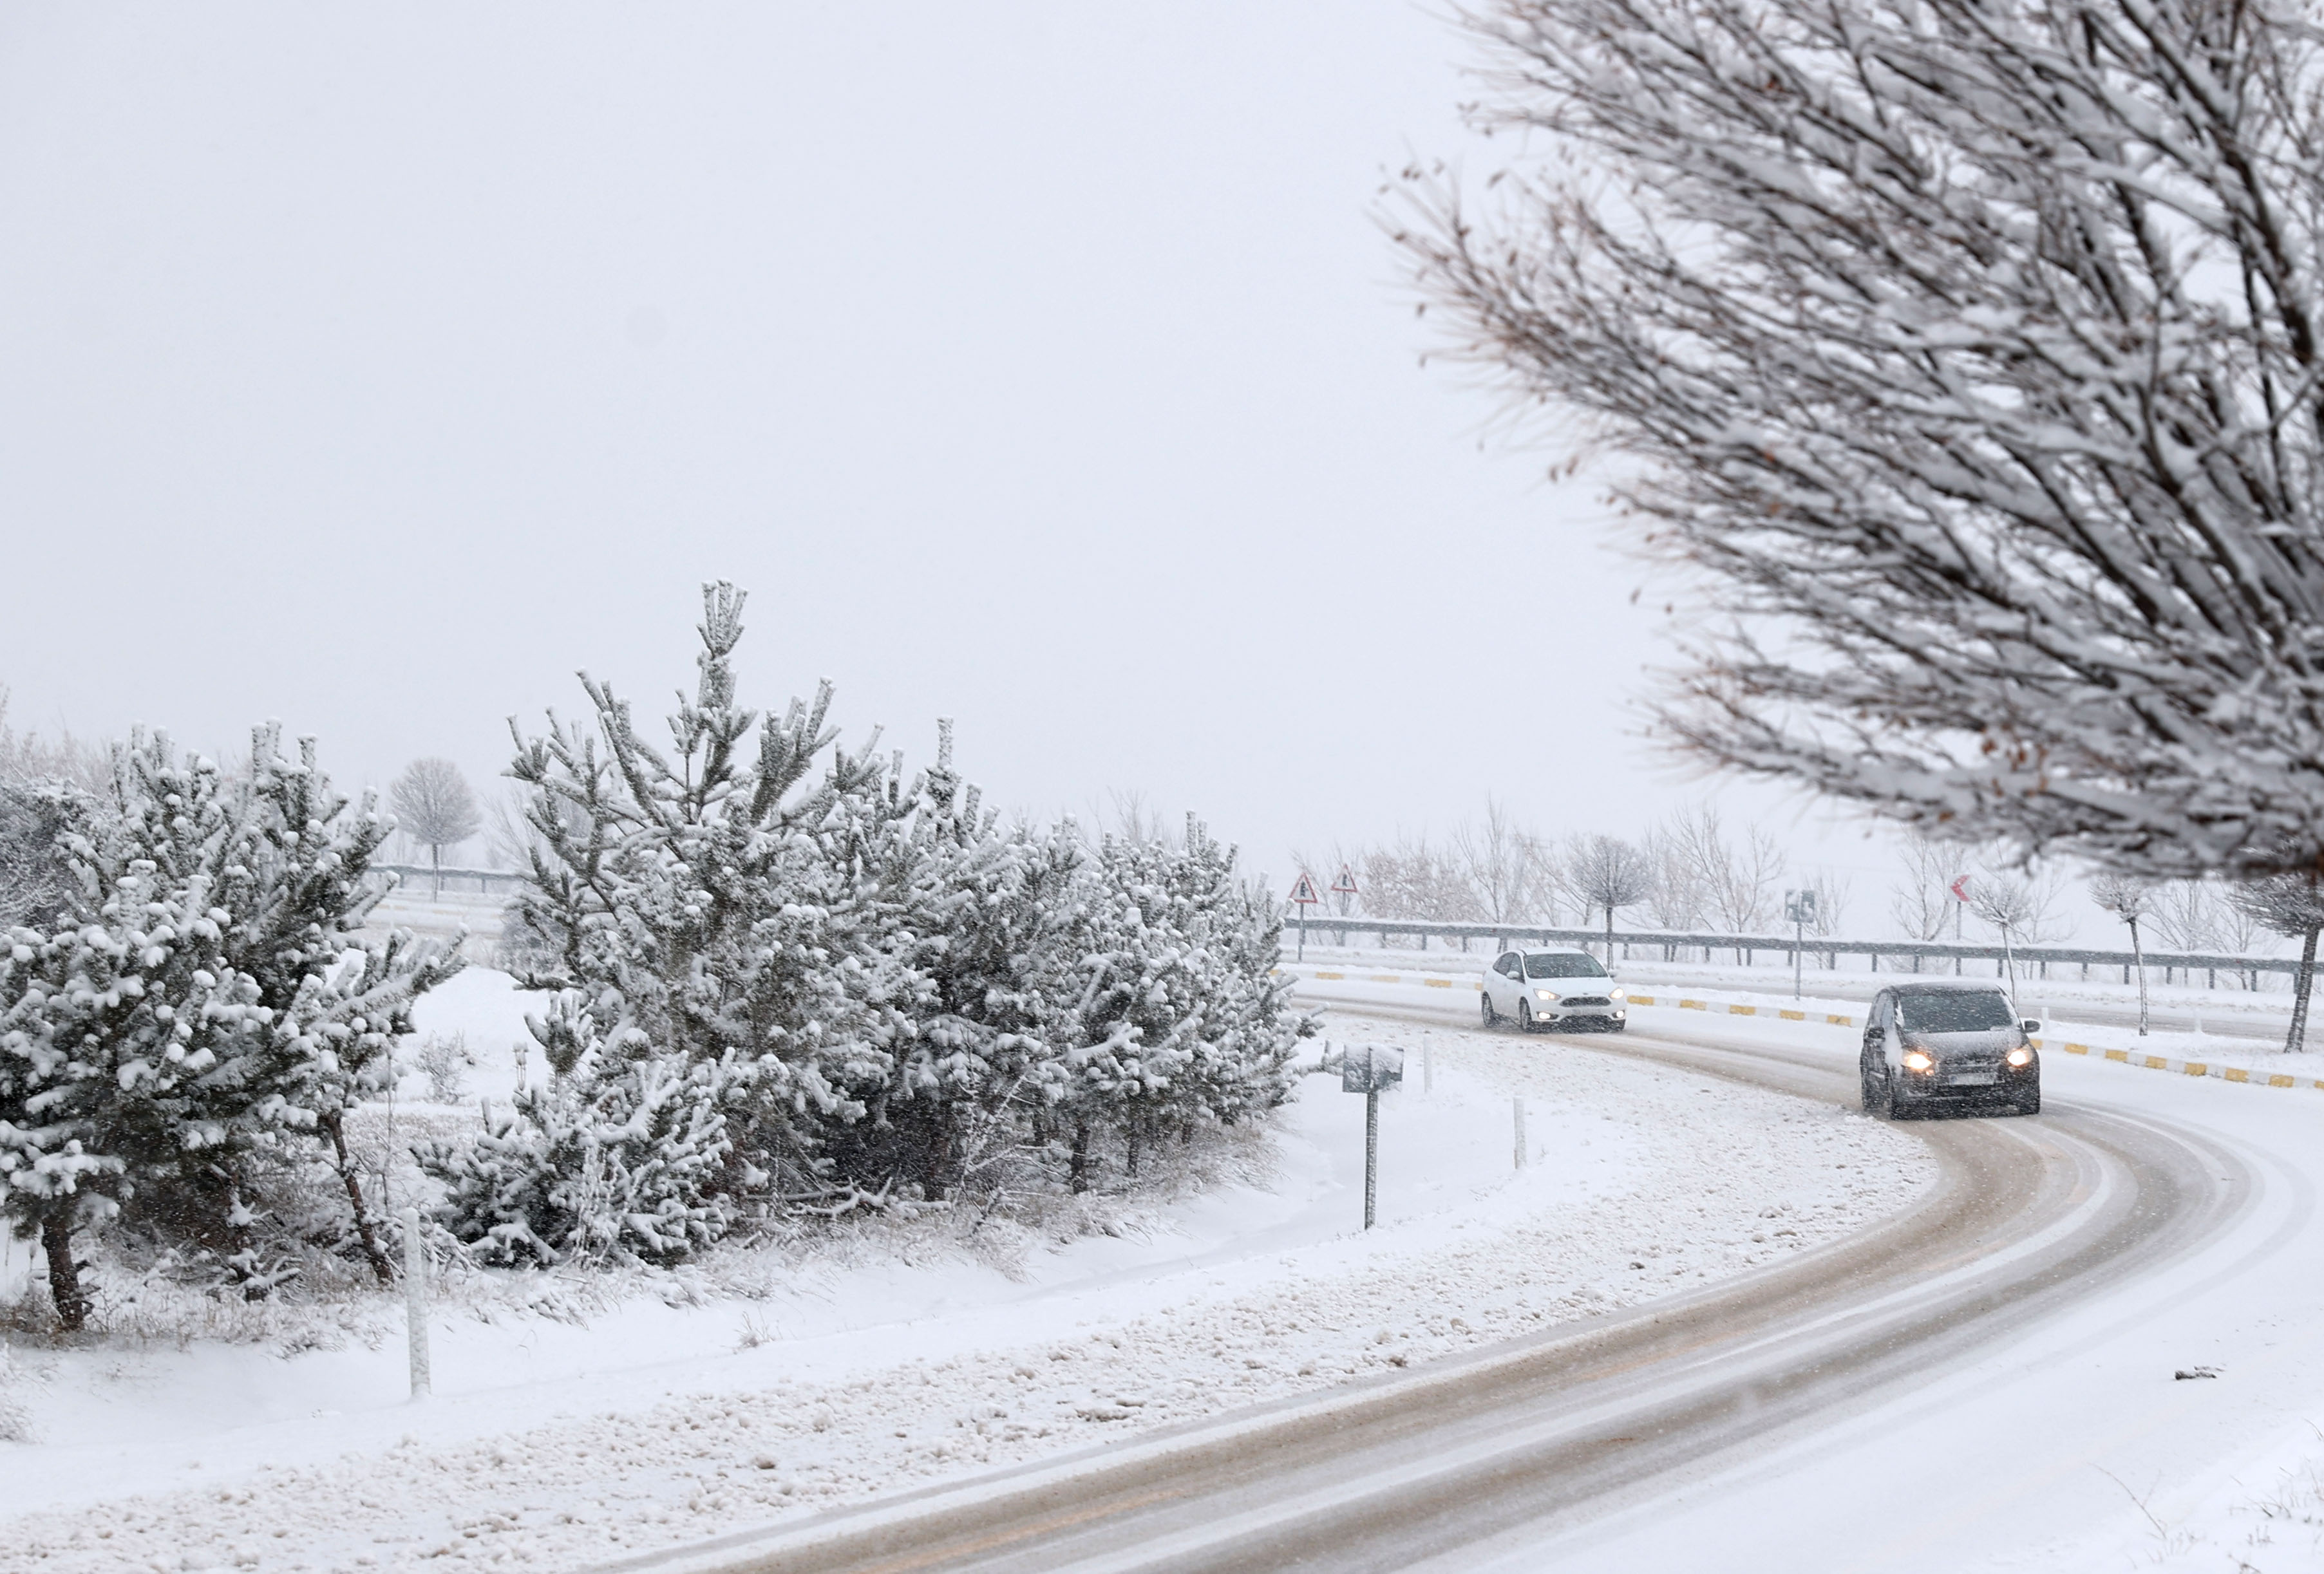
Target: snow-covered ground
[[562, 1436]]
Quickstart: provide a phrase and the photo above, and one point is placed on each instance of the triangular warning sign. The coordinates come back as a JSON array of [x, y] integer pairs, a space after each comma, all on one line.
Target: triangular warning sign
[[1303, 889], [1346, 884]]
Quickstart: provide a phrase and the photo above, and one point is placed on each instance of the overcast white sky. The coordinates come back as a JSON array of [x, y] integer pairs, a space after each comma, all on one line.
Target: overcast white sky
[[1035, 365]]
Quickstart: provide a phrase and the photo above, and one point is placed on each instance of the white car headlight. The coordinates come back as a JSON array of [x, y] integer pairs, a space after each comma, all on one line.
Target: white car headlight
[[1618, 994], [1544, 994]]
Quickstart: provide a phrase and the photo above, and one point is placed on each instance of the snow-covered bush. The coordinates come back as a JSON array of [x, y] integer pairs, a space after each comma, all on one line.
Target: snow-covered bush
[[616, 1157], [810, 975], [202, 1015], [444, 1059]]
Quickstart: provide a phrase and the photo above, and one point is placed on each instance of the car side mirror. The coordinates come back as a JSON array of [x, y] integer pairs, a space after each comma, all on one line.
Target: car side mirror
[[2031, 1024]]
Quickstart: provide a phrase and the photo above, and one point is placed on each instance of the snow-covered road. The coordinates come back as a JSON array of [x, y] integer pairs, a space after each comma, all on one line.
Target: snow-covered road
[[563, 1443], [1989, 1382]]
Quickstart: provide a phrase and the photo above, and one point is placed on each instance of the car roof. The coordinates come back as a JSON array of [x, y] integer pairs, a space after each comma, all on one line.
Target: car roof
[[1950, 987], [1554, 950]]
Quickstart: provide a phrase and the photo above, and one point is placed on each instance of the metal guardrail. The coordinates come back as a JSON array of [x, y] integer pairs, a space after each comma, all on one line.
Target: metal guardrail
[[2029, 956], [414, 875]]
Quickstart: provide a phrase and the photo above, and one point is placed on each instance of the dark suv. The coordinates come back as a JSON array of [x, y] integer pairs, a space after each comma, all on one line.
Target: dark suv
[[1933, 1045]]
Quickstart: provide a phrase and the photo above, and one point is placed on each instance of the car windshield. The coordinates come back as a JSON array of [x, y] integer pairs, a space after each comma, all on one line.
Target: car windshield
[[1563, 965], [1954, 1011]]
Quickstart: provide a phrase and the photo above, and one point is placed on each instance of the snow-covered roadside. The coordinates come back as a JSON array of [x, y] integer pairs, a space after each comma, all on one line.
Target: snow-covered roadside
[[554, 1446]]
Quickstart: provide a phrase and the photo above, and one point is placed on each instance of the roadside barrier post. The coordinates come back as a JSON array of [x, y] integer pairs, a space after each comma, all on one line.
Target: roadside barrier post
[[1516, 1115], [1428, 1063], [415, 1304]]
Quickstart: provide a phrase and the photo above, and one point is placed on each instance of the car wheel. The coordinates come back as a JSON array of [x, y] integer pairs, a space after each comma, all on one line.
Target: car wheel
[[1485, 1007], [1524, 1017]]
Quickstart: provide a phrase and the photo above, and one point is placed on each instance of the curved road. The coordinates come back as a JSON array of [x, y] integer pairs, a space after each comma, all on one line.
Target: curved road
[[1867, 1398]]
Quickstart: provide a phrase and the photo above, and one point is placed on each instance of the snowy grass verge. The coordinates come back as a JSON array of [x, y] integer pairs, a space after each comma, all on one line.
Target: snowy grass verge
[[1645, 1181]]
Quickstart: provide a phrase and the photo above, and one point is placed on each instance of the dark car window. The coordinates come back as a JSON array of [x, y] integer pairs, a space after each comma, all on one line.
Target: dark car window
[[1554, 966], [1506, 966], [1954, 1011]]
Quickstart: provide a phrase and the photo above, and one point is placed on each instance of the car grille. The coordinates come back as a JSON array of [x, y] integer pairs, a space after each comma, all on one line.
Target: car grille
[[1585, 1001]]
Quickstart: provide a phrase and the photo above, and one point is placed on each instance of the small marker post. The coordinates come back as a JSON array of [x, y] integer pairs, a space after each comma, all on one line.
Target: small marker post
[[1376, 1071], [1517, 1116], [415, 1305]]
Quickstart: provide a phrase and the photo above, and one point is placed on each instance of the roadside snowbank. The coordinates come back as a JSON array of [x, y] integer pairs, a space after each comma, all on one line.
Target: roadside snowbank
[[553, 1446]]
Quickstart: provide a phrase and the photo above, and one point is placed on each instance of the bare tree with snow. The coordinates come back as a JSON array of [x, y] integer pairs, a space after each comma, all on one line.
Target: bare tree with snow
[[1609, 874], [1973, 353], [2129, 899], [2291, 905], [433, 807], [1505, 864], [1922, 903]]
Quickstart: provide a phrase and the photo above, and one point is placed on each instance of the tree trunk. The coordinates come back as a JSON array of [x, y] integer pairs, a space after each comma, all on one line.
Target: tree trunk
[[1079, 1164], [436, 861], [64, 1273], [1134, 1143], [2297, 1038], [939, 1159], [2138, 958], [364, 1232]]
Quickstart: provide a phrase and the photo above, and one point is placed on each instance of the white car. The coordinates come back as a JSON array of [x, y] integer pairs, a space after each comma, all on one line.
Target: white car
[[1555, 989]]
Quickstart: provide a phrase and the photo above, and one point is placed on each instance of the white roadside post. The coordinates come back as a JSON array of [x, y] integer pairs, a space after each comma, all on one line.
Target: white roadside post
[[1516, 1118], [415, 1304], [1372, 1073], [1427, 1064]]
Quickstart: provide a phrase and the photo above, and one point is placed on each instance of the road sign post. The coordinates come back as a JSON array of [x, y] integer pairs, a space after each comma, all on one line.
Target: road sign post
[[1800, 908], [1344, 887], [1371, 1073], [1959, 889], [1304, 895]]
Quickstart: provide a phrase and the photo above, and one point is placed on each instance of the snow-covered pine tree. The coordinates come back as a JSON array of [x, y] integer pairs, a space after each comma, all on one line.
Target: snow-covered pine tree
[[701, 902], [204, 1004], [1177, 1023], [616, 1157], [973, 916]]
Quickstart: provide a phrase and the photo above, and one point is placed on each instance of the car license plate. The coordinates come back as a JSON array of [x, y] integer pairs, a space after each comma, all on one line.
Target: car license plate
[[1974, 1079]]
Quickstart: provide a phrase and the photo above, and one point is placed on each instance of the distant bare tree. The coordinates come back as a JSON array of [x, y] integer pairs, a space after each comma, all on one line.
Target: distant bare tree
[[2292, 906], [1738, 882], [1677, 901], [1922, 903], [1609, 874], [2129, 899], [433, 807], [2022, 907], [1413, 879], [1504, 864]]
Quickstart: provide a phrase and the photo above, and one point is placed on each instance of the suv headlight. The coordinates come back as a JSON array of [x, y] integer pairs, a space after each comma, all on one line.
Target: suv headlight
[[1544, 994], [1919, 1060], [1618, 994], [2022, 1056]]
